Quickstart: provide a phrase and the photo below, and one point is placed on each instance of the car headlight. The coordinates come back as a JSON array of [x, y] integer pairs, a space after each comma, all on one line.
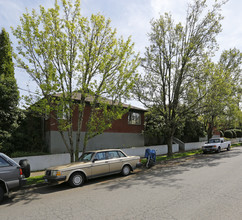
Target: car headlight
[[56, 173]]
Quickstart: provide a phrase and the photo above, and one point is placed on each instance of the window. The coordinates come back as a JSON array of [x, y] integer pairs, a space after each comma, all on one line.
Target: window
[[121, 154], [3, 163], [113, 154], [86, 157], [134, 118], [100, 156]]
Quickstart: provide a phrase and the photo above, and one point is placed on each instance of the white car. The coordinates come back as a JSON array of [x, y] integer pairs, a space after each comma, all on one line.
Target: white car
[[216, 145]]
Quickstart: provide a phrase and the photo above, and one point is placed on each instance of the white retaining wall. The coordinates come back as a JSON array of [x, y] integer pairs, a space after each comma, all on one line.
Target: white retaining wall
[[193, 146], [45, 161]]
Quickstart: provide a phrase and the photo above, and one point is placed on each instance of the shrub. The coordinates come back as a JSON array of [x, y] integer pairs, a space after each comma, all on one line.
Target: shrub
[[228, 134], [26, 154], [238, 133], [221, 133], [234, 133]]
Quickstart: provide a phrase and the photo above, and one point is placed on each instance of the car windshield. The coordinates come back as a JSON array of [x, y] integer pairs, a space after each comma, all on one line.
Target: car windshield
[[86, 157], [214, 140]]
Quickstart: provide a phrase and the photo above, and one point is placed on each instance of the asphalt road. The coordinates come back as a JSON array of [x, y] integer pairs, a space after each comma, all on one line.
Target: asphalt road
[[206, 187]]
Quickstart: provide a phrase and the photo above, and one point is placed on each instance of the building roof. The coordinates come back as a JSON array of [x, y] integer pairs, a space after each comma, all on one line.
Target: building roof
[[90, 98]]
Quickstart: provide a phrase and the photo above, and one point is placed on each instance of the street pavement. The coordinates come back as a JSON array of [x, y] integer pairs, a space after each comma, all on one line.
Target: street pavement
[[202, 187]]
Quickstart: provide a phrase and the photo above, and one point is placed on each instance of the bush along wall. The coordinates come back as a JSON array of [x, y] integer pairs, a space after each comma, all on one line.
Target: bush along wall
[[228, 134], [238, 133]]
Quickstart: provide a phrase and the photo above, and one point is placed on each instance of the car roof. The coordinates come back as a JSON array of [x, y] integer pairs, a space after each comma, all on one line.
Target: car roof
[[103, 150]]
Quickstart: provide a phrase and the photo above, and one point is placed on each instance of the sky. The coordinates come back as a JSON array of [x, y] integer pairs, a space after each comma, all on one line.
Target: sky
[[129, 17]]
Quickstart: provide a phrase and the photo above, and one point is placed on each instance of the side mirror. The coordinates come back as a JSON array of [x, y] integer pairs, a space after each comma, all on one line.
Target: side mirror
[[94, 160]]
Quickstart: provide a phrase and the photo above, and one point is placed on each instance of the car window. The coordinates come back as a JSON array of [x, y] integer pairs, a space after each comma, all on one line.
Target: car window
[[113, 154], [121, 154], [86, 157], [100, 156], [3, 163]]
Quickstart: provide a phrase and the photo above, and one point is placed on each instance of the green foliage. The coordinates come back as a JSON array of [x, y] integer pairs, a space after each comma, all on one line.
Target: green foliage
[[32, 180], [234, 133], [9, 95], [238, 133], [228, 134], [26, 154], [26, 139], [69, 55], [192, 130], [173, 82], [221, 133], [153, 128]]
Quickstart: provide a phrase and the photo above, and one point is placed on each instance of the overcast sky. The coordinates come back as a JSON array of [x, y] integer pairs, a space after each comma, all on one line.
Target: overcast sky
[[129, 17]]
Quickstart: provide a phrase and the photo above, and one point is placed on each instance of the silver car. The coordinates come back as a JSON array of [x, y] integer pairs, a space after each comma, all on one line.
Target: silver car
[[93, 164], [12, 175]]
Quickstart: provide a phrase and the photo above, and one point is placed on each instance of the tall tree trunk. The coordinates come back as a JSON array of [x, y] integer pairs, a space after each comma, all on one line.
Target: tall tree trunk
[[79, 126], [210, 128], [169, 145]]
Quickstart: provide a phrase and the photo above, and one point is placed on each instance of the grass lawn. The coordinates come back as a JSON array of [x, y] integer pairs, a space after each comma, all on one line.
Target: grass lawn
[[35, 180]]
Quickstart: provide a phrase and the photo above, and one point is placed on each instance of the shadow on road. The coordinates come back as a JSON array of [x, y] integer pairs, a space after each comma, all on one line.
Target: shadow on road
[[168, 171], [164, 173]]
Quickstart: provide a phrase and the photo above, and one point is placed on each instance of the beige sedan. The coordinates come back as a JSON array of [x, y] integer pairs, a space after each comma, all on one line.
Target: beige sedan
[[93, 164]]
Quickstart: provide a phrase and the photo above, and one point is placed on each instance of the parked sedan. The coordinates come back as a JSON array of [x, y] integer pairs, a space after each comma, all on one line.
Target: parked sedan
[[12, 175], [93, 164]]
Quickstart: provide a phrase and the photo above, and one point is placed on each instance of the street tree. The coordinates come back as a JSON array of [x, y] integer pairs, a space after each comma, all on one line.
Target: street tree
[[9, 95], [231, 62], [172, 83], [219, 96], [67, 54]]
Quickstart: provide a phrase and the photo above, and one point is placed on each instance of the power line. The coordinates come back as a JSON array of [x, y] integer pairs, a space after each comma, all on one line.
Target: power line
[[28, 91]]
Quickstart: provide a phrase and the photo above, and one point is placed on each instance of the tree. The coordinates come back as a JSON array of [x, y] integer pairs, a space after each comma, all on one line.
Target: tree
[[9, 94], [172, 82], [230, 61], [67, 54], [221, 104]]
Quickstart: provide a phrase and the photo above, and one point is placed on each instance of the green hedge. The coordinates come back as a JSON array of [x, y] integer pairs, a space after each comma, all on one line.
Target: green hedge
[[238, 133], [228, 134]]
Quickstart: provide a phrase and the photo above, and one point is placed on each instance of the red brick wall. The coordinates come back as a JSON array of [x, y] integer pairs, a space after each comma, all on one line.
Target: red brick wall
[[120, 125]]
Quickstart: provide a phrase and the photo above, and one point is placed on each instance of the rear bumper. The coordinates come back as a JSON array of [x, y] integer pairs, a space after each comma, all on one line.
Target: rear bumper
[[22, 182]]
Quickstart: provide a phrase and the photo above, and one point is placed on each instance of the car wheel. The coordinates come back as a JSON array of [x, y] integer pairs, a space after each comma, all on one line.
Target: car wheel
[[126, 170], [1, 194], [76, 179], [219, 149], [25, 166], [228, 148]]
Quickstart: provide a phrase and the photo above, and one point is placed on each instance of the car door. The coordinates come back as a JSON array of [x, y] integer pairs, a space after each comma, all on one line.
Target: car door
[[100, 164], [115, 161]]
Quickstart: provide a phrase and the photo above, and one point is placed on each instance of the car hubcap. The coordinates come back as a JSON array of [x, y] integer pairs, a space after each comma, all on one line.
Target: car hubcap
[[77, 180], [126, 170]]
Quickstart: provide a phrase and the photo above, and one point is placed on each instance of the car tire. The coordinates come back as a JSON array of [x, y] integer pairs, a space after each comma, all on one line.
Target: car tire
[[126, 170], [1, 194], [76, 179], [219, 150], [25, 166], [228, 148]]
